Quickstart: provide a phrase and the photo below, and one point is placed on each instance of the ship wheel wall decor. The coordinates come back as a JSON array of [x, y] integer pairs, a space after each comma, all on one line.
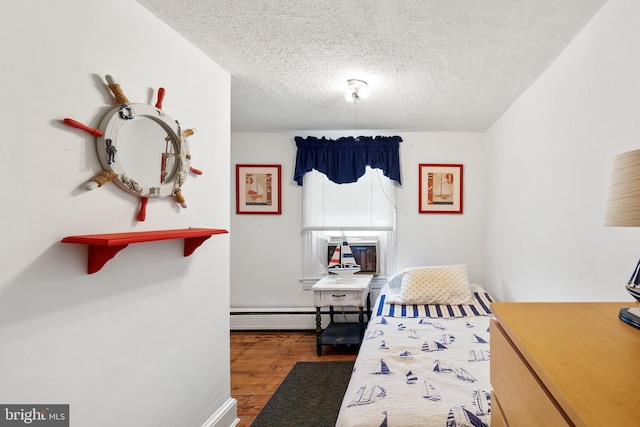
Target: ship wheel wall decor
[[141, 148]]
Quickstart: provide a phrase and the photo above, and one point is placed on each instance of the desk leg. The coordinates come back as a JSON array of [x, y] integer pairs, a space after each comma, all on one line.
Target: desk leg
[[368, 307], [361, 321], [318, 331]]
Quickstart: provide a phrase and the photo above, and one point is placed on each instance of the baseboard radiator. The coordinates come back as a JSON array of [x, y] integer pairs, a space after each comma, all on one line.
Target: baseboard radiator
[[272, 319]]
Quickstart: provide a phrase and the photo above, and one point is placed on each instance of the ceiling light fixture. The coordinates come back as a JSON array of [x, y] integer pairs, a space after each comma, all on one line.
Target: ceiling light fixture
[[357, 90]]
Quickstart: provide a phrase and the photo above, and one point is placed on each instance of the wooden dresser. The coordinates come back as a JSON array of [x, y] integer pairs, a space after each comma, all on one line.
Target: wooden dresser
[[564, 364]]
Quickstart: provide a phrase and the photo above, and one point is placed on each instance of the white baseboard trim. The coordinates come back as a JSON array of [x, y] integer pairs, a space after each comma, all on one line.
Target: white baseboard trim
[[225, 416]]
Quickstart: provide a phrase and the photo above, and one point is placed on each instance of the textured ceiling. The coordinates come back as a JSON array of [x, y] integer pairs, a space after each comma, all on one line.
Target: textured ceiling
[[431, 65]]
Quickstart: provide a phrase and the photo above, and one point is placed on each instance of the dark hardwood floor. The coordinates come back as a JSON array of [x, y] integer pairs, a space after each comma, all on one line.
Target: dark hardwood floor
[[261, 360]]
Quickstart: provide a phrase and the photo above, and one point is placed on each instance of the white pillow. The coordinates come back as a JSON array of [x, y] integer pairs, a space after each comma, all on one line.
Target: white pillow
[[445, 284], [395, 281]]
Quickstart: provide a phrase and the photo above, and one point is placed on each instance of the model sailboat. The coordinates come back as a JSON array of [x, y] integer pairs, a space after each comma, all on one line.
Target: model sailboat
[[342, 261]]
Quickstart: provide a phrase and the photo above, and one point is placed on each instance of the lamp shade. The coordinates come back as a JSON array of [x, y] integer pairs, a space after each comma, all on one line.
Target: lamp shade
[[623, 206]]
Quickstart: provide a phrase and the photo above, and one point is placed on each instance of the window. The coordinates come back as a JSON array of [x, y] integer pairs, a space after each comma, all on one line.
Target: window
[[364, 211], [364, 251]]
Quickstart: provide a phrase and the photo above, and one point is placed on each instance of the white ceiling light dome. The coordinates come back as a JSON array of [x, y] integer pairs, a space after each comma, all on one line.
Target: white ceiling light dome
[[356, 90]]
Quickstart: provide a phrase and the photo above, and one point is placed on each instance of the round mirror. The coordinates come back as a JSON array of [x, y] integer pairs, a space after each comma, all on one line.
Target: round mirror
[[145, 148]]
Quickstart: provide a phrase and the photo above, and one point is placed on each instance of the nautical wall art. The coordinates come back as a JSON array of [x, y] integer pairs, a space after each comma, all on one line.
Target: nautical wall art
[[141, 149], [258, 189], [440, 188]]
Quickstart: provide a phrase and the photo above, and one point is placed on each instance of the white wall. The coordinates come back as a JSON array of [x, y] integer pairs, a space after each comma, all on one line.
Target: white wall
[[144, 341], [549, 164], [532, 228], [266, 261], [438, 239]]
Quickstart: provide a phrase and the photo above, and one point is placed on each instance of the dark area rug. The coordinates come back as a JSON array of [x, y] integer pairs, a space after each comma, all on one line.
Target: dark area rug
[[310, 396]]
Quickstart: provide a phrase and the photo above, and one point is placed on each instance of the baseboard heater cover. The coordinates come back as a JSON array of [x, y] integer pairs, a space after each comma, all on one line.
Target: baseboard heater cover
[[284, 318]]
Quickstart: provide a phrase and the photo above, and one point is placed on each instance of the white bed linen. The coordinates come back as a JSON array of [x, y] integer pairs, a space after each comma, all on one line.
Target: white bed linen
[[421, 371]]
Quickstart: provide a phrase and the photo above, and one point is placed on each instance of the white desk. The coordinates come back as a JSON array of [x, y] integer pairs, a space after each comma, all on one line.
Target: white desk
[[335, 291]]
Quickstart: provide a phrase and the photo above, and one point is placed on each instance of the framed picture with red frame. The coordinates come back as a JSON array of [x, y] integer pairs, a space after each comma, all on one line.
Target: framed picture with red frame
[[259, 189], [440, 188]]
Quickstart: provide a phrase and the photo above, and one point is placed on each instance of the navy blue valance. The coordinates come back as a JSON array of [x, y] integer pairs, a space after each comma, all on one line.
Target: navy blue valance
[[344, 160]]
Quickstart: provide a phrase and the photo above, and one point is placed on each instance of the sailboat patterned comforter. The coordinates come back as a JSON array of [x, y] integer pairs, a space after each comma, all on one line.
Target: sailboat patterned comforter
[[414, 370]]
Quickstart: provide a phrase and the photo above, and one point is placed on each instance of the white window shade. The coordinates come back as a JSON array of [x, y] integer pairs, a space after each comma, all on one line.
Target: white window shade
[[368, 204]]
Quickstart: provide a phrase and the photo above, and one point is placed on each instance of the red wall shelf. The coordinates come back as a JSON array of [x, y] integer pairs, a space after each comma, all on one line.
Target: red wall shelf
[[103, 247]]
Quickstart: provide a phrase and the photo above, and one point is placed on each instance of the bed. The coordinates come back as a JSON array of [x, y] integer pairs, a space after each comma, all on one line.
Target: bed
[[424, 359]]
